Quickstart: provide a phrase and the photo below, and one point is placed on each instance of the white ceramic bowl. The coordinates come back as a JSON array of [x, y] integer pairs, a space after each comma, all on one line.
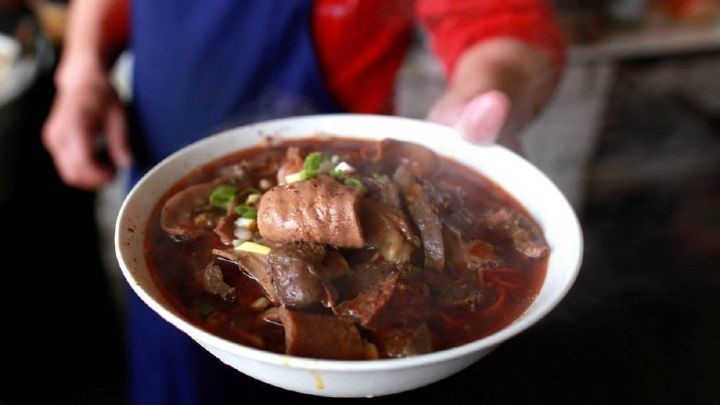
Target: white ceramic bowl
[[357, 378]]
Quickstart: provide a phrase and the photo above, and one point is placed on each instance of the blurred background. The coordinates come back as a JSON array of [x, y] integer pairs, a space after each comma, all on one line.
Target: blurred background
[[632, 137]]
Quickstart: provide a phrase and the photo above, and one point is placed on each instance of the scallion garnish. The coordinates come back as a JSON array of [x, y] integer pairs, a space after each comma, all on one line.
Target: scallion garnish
[[253, 247], [311, 166], [246, 211], [295, 177], [222, 196], [253, 198], [356, 184], [337, 175]]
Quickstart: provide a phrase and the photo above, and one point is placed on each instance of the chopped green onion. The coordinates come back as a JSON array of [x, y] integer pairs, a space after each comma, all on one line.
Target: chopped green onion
[[356, 184], [326, 164], [241, 235], [253, 247], [253, 198], [222, 196], [260, 304], [311, 166], [382, 178], [265, 184], [318, 162], [248, 191], [247, 223], [295, 177], [344, 167], [246, 211], [337, 175]]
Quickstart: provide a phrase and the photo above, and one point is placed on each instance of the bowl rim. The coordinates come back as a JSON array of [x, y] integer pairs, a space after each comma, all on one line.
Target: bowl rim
[[350, 366]]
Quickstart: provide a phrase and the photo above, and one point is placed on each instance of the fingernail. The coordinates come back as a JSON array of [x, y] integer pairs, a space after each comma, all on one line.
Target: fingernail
[[484, 117]]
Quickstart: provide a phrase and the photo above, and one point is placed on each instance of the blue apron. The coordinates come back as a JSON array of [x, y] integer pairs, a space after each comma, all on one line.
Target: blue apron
[[202, 66]]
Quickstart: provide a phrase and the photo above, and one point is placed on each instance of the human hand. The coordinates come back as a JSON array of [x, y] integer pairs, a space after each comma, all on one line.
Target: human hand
[[497, 88], [86, 109]]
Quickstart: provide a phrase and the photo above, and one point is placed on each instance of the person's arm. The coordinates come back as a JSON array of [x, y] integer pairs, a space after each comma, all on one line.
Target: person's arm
[[502, 58], [85, 105]]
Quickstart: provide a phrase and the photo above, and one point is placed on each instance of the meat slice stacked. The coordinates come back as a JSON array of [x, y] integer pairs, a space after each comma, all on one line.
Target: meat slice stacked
[[346, 264]]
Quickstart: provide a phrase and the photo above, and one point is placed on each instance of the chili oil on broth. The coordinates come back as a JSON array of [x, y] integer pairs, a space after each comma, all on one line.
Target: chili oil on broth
[[173, 265]]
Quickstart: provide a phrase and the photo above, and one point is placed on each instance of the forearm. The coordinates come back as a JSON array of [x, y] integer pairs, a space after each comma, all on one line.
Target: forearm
[[84, 57]]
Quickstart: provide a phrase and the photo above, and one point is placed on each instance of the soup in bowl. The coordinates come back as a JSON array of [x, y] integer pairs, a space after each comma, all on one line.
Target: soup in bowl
[[347, 255]]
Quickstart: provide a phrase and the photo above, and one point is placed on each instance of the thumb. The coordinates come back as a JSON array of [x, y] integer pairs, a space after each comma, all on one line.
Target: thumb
[[483, 118], [117, 136]]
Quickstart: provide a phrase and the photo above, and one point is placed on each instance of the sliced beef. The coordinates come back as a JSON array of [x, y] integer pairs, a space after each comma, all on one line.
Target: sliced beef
[[319, 210], [384, 191], [211, 279], [420, 160], [387, 230], [455, 249], [462, 291], [404, 342], [334, 266], [395, 301], [177, 216], [473, 255], [298, 276], [228, 254], [293, 164], [424, 214], [480, 255], [254, 265], [526, 235], [225, 227], [295, 275], [362, 277], [319, 336]]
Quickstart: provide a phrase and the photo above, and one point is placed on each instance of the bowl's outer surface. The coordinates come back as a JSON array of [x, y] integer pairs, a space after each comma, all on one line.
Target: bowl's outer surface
[[366, 378]]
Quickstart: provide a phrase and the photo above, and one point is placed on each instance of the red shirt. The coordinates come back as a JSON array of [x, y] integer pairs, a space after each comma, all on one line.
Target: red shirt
[[361, 43]]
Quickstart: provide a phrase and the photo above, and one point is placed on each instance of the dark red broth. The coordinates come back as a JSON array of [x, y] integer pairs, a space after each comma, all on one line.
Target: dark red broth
[[508, 289]]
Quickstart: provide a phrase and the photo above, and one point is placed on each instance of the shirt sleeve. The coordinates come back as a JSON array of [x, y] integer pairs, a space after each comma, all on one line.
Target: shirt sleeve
[[116, 29], [455, 25]]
